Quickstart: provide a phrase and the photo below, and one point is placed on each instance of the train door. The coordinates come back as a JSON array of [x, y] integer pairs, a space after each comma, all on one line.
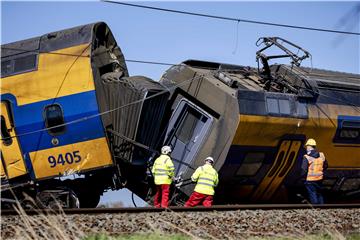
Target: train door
[[187, 128], [284, 161], [12, 161]]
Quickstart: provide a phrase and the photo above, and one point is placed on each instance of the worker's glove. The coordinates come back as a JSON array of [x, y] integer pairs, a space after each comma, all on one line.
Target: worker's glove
[[178, 181]]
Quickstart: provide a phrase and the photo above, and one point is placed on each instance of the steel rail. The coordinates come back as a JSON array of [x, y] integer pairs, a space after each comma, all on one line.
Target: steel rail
[[218, 208]]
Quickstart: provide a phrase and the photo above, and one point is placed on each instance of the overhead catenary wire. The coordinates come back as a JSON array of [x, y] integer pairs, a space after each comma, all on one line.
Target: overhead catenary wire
[[151, 62], [232, 18]]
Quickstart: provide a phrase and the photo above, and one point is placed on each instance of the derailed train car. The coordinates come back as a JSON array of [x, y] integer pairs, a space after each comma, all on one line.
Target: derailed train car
[[75, 124], [257, 135], [54, 132]]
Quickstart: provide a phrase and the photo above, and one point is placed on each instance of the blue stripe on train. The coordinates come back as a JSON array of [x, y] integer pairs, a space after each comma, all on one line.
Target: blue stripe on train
[[29, 118]]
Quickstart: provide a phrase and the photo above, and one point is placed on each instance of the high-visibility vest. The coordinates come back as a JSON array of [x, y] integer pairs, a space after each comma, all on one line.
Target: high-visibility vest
[[315, 168], [163, 170], [206, 179]]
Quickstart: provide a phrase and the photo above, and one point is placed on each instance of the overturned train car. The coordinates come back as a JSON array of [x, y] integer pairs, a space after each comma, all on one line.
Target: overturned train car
[[256, 134], [75, 124]]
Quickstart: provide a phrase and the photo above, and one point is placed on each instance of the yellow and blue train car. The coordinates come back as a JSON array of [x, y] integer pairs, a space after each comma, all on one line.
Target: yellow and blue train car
[[52, 94], [46, 83]]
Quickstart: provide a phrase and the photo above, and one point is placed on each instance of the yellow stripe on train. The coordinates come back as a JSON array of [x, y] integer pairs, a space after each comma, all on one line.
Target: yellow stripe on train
[[265, 131], [72, 158], [60, 73]]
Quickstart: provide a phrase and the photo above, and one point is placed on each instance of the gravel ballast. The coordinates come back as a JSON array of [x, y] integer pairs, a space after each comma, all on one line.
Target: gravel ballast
[[209, 225]]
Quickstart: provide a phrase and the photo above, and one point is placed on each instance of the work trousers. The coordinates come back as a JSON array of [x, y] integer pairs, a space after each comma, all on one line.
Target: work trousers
[[199, 198], [314, 189], [161, 198]]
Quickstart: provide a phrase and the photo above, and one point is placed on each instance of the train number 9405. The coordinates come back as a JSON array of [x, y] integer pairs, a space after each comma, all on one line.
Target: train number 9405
[[66, 158]]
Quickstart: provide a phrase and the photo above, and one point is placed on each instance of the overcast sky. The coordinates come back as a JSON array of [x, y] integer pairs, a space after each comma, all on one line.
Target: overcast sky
[[166, 37]]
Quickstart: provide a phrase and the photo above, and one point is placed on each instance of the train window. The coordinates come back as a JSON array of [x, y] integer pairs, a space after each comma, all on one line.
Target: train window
[[301, 109], [188, 126], [272, 105], [251, 164], [348, 130], [278, 106], [25, 63], [349, 134], [20, 64], [284, 106], [54, 116], [6, 68]]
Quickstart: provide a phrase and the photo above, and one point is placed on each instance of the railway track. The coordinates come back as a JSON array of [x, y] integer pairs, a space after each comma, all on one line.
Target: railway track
[[217, 208], [219, 222]]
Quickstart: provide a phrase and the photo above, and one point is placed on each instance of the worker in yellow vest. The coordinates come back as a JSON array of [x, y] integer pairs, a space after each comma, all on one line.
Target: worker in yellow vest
[[206, 179], [313, 166], [163, 172]]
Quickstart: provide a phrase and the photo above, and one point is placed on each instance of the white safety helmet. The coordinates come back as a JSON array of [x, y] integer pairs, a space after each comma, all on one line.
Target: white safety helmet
[[166, 150], [209, 159]]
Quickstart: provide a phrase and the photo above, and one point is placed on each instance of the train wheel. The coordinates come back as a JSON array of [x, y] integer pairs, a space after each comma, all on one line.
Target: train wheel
[[57, 199]]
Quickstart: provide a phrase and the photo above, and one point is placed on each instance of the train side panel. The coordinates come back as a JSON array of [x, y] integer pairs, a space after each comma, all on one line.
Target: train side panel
[[263, 161], [265, 158], [61, 89]]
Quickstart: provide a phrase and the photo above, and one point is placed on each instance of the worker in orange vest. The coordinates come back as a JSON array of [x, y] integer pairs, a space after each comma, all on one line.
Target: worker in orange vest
[[313, 166]]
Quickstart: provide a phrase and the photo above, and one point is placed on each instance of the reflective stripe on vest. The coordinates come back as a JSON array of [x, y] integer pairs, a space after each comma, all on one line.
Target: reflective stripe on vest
[[206, 181], [162, 171], [315, 169], [207, 184]]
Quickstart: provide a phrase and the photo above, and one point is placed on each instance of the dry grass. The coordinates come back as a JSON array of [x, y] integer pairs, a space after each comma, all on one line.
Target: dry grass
[[53, 226], [158, 236], [154, 236], [57, 226]]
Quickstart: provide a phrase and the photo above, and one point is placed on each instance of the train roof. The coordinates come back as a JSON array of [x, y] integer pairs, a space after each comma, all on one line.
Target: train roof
[[249, 78], [51, 41], [56, 40], [98, 35]]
